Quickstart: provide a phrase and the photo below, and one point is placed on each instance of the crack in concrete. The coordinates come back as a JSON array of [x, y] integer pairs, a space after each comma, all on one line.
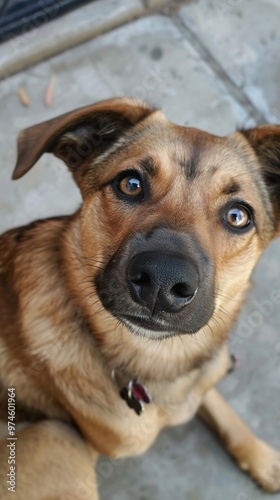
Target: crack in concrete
[[222, 75]]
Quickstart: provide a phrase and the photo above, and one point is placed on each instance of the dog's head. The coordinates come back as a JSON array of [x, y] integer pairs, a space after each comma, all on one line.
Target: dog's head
[[173, 219]]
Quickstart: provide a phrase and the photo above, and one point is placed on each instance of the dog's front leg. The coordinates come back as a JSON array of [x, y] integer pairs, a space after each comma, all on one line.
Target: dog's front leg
[[52, 462], [252, 454]]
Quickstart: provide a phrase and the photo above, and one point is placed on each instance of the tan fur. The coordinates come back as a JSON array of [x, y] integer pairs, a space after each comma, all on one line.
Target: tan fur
[[58, 345]]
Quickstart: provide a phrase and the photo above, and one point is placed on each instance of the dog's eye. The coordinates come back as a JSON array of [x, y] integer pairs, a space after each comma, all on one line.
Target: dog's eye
[[131, 185], [238, 217]]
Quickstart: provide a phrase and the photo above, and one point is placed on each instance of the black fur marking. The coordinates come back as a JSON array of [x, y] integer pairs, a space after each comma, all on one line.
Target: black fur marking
[[148, 165], [24, 233], [191, 167], [232, 188]]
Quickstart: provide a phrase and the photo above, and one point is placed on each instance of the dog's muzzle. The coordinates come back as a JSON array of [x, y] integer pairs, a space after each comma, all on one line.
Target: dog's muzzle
[[162, 282]]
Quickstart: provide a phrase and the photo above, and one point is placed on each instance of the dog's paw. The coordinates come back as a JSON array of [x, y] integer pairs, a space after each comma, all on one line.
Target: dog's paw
[[265, 467]]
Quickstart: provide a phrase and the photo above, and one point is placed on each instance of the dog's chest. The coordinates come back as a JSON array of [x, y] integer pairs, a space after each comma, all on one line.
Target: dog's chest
[[116, 429]]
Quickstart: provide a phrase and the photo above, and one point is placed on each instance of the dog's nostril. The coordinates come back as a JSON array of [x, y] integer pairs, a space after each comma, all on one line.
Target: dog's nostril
[[181, 290], [140, 278]]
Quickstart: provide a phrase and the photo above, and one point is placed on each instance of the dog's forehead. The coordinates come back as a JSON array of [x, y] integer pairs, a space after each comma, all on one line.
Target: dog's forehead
[[195, 152]]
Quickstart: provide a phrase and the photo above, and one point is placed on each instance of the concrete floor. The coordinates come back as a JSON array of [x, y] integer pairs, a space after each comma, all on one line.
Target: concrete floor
[[215, 65]]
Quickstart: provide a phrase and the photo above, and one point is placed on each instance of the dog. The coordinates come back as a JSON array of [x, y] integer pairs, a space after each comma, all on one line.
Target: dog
[[114, 321]]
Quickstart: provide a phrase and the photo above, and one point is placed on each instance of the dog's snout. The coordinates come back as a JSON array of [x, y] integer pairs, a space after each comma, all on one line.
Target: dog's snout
[[162, 282]]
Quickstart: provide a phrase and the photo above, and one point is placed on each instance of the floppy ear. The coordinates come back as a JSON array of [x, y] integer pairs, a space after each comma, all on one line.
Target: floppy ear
[[265, 140], [84, 132]]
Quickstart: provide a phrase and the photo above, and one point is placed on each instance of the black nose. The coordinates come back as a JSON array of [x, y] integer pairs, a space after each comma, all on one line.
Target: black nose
[[162, 282]]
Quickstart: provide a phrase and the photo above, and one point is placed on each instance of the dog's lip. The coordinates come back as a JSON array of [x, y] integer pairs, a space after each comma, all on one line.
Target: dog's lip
[[156, 325]]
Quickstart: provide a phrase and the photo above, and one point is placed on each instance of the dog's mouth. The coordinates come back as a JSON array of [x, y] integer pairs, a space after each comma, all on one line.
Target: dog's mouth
[[154, 324], [152, 329]]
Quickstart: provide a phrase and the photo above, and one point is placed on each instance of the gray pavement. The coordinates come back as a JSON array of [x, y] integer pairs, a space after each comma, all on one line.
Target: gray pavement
[[211, 64]]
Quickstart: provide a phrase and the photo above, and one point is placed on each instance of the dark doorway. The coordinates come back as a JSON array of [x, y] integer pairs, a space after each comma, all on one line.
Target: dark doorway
[[17, 17]]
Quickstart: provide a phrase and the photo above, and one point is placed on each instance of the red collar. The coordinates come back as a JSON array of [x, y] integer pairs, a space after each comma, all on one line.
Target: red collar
[[135, 394]]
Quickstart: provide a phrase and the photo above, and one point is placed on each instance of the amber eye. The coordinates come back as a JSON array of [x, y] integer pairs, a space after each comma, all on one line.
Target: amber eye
[[238, 216], [131, 185]]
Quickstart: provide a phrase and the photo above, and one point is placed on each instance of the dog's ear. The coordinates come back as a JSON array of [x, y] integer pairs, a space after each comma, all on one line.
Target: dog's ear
[[82, 133], [265, 140]]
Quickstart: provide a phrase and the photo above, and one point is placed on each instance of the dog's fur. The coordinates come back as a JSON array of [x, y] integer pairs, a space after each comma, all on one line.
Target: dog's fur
[[64, 298]]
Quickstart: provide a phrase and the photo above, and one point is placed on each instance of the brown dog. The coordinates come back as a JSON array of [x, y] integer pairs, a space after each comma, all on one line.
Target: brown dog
[[140, 286]]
